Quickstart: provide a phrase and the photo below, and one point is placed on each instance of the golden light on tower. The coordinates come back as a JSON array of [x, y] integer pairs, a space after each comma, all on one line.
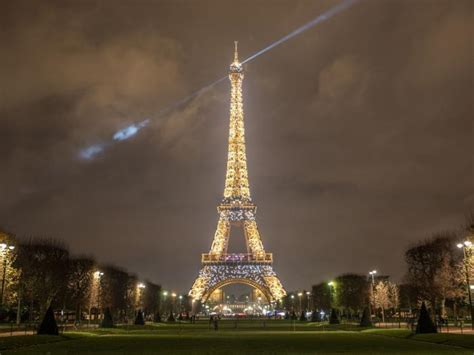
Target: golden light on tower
[[237, 209]]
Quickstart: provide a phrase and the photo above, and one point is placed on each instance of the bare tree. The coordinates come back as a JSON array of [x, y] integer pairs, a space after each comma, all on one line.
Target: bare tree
[[351, 292], [434, 269], [117, 291], [386, 296], [79, 283], [151, 298], [321, 294], [394, 295], [44, 270]]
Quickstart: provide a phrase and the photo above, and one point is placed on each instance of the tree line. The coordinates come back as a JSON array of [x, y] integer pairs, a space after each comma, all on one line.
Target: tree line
[[437, 273], [40, 273]]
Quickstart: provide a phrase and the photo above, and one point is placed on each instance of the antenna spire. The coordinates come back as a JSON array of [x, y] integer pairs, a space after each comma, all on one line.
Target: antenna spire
[[236, 52]]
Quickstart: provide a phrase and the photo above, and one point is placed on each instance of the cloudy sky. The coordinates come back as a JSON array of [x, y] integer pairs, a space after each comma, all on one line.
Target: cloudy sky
[[359, 131]]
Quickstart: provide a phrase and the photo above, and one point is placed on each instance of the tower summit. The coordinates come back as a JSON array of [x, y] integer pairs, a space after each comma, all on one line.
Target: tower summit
[[236, 209]]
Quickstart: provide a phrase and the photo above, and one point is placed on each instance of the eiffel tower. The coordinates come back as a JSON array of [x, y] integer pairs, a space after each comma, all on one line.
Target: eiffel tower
[[236, 209]]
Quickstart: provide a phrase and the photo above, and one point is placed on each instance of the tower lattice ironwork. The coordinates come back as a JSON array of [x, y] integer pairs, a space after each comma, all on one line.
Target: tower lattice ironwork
[[254, 268]]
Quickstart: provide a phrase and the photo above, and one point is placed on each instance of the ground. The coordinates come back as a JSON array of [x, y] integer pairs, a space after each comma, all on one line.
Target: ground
[[242, 337]]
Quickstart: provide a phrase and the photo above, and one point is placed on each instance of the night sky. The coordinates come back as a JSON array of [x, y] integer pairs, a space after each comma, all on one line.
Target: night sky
[[359, 131]]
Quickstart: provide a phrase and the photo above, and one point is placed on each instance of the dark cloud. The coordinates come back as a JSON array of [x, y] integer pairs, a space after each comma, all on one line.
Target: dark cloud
[[359, 131]]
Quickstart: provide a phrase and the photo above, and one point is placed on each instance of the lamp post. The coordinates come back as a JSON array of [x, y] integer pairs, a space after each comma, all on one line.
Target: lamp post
[[372, 274], [331, 285], [467, 253], [308, 295], [292, 302], [173, 307], [4, 249], [165, 293], [300, 294], [140, 288], [94, 292]]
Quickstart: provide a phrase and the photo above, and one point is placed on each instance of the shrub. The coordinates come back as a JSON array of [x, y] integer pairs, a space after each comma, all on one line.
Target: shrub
[[425, 323], [139, 319], [334, 319], [48, 325], [365, 320], [108, 321]]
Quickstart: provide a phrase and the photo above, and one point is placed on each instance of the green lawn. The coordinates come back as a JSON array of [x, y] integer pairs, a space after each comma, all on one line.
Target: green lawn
[[245, 337]]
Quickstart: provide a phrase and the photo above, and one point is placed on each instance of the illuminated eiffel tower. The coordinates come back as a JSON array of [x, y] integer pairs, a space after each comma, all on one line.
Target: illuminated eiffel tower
[[253, 268]]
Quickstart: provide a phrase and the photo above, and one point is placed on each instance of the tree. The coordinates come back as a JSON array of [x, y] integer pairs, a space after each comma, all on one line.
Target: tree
[[381, 298], [394, 296], [434, 269], [139, 320], [351, 292], [151, 298], [321, 294], [48, 326], [108, 321], [44, 269], [334, 319], [10, 284], [408, 297], [79, 283], [116, 293], [365, 320], [425, 323]]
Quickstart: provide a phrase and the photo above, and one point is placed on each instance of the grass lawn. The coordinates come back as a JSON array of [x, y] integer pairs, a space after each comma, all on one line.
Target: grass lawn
[[245, 337]]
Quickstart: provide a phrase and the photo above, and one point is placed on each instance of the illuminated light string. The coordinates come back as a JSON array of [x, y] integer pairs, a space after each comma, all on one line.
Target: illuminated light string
[[131, 130]]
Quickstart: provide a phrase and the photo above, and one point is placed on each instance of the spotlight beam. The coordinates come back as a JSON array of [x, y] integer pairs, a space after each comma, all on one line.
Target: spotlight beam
[[321, 18], [131, 130]]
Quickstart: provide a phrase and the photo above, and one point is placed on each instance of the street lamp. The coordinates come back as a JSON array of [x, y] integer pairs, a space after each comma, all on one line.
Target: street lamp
[[173, 307], [467, 253], [4, 249], [300, 294], [94, 293], [331, 286], [308, 295], [180, 302], [372, 274]]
